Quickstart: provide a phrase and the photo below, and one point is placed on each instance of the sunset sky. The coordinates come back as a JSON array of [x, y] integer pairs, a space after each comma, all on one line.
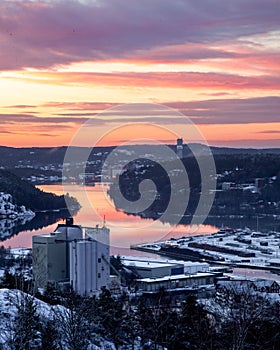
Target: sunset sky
[[217, 62]]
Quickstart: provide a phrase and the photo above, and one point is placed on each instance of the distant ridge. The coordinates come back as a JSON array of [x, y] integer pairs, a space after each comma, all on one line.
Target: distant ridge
[[10, 156]]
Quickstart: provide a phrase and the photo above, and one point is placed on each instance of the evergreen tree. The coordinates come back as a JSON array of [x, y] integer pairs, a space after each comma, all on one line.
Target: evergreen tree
[[197, 331], [49, 335], [110, 315], [72, 324], [24, 330]]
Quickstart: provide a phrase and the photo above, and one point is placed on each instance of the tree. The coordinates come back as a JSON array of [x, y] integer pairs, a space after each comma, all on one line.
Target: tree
[[197, 328], [71, 321], [159, 323], [244, 311], [49, 335], [264, 334], [23, 331], [110, 316]]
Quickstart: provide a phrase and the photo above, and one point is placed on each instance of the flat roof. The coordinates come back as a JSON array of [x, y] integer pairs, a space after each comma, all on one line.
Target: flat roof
[[162, 261], [148, 264], [175, 277]]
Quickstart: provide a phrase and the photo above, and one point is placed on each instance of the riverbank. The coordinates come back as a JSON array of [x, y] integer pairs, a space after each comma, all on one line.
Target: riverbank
[[235, 249]]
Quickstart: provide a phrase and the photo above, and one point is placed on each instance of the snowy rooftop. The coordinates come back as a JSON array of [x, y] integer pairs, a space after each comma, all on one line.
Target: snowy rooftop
[[175, 277], [234, 246], [146, 264], [162, 261]]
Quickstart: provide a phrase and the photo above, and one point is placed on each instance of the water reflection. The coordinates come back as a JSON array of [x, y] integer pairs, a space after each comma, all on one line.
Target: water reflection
[[9, 227], [10, 231], [125, 229], [122, 226]]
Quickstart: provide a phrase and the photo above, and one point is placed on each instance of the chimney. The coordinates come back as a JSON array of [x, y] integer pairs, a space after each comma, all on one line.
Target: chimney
[[69, 221]]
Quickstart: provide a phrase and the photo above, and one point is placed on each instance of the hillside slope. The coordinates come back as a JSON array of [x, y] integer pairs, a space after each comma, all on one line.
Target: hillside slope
[[24, 193]]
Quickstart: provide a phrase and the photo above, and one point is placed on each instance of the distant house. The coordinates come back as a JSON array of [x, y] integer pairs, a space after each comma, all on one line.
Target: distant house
[[275, 262], [266, 286], [230, 291], [234, 290]]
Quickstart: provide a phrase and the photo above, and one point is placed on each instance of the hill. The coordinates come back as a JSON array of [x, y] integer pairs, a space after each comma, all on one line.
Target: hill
[[25, 194], [45, 164]]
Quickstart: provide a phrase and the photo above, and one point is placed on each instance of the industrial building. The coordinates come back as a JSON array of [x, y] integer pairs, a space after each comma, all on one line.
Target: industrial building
[[50, 254], [72, 255], [182, 281], [153, 269], [90, 262], [156, 268], [156, 274]]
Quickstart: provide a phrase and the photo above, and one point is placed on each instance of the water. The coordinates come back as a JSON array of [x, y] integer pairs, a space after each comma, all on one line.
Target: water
[[125, 230]]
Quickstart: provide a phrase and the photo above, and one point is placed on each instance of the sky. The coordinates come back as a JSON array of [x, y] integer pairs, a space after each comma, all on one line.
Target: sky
[[214, 62]]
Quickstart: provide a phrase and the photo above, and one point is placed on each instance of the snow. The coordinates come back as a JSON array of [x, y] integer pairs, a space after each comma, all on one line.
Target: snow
[[143, 264], [12, 215], [176, 277], [18, 252], [10, 210], [265, 246], [8, 311]]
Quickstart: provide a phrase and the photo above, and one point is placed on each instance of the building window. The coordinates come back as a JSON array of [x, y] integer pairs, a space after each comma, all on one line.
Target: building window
[[99, 275], [99, 260]]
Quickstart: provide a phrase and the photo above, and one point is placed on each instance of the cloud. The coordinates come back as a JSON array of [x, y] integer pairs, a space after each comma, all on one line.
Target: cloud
[[215, 111], [231, 111], [185, 53], [8, 119], [41, 34], [160, 79], [7, 132], [76, 106], [268, 132], [20, 106]]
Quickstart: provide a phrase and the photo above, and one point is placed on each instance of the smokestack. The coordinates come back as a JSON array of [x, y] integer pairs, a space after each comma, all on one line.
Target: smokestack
[[69, 221]]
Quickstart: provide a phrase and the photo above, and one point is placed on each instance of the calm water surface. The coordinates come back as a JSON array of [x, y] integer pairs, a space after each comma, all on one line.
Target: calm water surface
[[125, 230]]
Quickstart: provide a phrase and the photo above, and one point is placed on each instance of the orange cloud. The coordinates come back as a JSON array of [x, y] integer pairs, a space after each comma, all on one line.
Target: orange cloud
[[187, 80]]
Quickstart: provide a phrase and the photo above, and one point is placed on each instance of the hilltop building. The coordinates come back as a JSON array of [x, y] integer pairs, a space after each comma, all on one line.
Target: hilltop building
[[179, 148]]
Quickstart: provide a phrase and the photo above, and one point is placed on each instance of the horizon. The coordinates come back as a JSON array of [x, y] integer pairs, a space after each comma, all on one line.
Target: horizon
[[63, 63], [167, 144]]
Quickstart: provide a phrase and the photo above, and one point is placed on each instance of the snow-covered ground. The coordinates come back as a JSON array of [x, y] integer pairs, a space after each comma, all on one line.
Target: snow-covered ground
[[247, 248], [8, 209], [10, 300], [12, 215]]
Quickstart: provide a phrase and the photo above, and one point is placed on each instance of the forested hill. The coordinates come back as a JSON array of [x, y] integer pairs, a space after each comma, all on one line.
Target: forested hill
[[242, 173], [39, 156], [24, 193], [45, 165]]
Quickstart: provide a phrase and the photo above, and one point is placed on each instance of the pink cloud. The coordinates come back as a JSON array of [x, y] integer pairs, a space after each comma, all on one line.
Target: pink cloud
[[15, 119], [215, 111], [231, 111], [42, 34], [160, 79]]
